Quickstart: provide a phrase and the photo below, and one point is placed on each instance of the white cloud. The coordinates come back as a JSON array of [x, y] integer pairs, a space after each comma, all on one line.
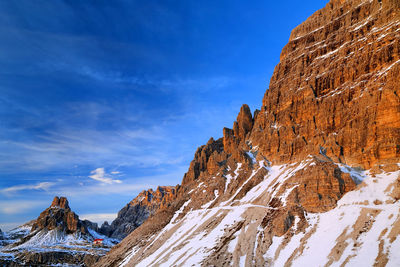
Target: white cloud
[[40, 186], [115, 172], [100, 174], [130, 187], [99, 218]]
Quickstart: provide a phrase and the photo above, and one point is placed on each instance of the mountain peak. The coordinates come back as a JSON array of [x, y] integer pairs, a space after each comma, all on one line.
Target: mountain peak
[[59, 216], [243, 123], [60, 202]]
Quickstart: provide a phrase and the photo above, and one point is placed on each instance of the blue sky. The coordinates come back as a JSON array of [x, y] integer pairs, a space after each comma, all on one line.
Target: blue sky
[[102, 99]]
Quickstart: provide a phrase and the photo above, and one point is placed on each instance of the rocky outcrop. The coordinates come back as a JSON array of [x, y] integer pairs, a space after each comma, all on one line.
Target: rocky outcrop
[[138, 210], [59, 216], [216, 155], [330, 118]]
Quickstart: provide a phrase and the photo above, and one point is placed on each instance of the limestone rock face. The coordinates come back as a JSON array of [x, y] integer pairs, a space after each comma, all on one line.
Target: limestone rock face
[[138, 210], [59, 216], [325, 146], [243, 123], [336, 87], [206, 160]]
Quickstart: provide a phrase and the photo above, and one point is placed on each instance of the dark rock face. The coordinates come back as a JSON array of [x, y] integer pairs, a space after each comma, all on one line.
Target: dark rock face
[[105, 229], [138, 210], [60, 216]]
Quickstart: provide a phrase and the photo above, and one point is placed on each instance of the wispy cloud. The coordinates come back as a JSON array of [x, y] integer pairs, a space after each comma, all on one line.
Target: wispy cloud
[[55, 148], [180, 84], [39, 186], [100, 175]]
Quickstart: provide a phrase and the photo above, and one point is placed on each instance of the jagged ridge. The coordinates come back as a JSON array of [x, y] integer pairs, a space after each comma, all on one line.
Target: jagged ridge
[[138, 210]]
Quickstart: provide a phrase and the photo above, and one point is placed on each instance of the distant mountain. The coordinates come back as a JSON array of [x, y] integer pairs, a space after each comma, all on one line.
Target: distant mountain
[[310, 179], [57, 236], [138, 210]]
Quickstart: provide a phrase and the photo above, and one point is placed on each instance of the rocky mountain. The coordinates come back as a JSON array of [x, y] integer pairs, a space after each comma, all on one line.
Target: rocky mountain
[[138, 210], [57, 236], [59, 216], [310, 179]]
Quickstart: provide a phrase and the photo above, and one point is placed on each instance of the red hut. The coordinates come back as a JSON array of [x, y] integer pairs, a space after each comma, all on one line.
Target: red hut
[[98, 242]]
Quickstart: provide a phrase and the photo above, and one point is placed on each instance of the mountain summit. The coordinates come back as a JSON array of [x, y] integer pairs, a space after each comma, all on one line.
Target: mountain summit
[[310, 179], [59, 216]]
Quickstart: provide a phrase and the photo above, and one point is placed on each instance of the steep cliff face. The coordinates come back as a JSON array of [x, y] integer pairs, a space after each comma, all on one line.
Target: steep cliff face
[[138, 210], [336, 87], [323, 148]]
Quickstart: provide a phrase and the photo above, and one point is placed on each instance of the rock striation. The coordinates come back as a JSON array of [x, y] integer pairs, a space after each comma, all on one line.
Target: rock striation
[[138, 210], [336, 87], [323, 147]]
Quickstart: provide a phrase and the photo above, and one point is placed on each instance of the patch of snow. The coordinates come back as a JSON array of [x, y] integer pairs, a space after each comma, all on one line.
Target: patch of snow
[[252, 156], [285, 195], [233, 243], [180, 211], [355, 173], [229, 176], [208, 204], [129, 257], [242, 261]]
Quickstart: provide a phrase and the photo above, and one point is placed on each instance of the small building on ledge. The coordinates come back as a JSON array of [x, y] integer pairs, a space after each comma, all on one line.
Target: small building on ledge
[[98, 242]]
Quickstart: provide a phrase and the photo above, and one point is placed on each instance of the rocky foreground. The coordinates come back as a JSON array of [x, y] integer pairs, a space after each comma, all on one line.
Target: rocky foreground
[[310, 179]]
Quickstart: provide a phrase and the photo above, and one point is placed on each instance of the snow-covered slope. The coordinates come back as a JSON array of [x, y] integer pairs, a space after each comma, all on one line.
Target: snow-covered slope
[[360, 231]]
